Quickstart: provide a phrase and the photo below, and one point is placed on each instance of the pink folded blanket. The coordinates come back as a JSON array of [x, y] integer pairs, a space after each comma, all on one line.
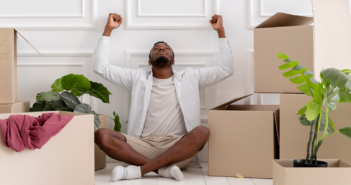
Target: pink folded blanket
[[24, 131]]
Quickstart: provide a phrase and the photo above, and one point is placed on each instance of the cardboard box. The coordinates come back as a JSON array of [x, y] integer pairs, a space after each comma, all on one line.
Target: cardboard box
[[67, 158], [17, 107], [337, 173], [294, 136], [100, 155], [8, 64], [243, 139], [322, 45]]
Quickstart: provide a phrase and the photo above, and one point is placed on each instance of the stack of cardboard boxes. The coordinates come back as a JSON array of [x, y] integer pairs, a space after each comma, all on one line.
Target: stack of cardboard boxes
[[8, 73], [245, 138]]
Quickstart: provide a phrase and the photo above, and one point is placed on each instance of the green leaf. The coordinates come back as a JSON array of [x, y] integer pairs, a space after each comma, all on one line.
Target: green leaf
[[118, 125], [282, 56], [304, 121], [97, 122], [288, 65], [77, 84], [99, 91], [291, 73], [346, 131], [83, 108], [332, 99], [337, 78], [298, 80], [348, 85], [313, 110], [41, 106], [305, 89], [317, 94], [70, 100], [57, 85], [345, 96], [331, 126], [48, 96], [346, 71], [60, 103], [302, 110]]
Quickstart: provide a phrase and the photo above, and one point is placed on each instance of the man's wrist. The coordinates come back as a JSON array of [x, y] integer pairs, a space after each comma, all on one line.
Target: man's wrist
[[107, 31], [221, 33]]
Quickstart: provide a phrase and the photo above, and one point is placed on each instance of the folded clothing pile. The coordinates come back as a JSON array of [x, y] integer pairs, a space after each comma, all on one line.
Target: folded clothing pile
[[24, 131]]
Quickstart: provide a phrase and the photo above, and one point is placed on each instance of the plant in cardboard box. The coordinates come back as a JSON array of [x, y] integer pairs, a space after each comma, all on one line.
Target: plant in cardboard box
[[64, 97], [334, 87]]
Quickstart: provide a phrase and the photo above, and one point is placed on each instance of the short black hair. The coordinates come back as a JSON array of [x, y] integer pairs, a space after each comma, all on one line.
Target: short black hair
[[158, 43]]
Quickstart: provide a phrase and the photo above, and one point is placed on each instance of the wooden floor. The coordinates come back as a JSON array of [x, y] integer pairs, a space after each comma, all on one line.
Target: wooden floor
[[192, 176]]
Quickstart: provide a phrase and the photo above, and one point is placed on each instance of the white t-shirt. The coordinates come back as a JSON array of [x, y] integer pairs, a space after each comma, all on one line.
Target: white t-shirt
[[164, 115]]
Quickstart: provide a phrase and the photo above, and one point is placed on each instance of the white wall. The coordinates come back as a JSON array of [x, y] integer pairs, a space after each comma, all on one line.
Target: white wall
[[66, 33]]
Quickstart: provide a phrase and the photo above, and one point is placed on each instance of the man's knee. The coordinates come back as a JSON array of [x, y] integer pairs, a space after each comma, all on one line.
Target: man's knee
[[203, 131], [101, 136]]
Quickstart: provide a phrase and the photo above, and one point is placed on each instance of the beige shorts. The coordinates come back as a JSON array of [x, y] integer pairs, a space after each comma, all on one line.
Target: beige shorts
[[153, 146]]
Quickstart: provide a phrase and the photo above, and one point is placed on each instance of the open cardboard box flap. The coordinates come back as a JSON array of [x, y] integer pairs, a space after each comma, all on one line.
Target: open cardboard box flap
[[273, 108], [232, 101], [283, 19], [27, 41]]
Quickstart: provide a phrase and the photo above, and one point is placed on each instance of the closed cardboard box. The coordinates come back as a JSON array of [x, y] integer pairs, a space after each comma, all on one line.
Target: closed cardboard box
[[67, 158], [323, 45], [337, 173], [243, 139], [100, 155], [8, 65], [17, 107], [294, 136]]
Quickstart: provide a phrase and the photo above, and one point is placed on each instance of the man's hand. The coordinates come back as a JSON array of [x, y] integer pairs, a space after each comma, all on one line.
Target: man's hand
[[217, 24], [114, 21]]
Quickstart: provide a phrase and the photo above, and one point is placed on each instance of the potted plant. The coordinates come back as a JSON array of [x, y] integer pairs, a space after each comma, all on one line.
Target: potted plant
[[64, 97], [334, 87]]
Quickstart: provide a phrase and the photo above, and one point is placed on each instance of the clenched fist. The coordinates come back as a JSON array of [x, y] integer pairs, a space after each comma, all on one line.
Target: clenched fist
[[217, 22], [114, 21]]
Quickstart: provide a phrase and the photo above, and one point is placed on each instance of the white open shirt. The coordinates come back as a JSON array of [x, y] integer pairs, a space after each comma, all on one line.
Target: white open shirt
[[187, 83]]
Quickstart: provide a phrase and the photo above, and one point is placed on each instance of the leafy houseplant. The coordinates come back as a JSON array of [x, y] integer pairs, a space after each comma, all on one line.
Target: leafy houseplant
[[334, 88], [64, 93]]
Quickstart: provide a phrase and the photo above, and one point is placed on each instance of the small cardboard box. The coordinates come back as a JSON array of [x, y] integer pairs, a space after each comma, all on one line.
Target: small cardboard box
[[67, 158], [294, 136], [17, 107], [337, 173], [100, 155], [243, 139], [322, 45], [8, 64]]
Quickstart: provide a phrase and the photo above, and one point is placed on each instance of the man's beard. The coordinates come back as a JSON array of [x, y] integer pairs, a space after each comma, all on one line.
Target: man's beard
[[161, 62]]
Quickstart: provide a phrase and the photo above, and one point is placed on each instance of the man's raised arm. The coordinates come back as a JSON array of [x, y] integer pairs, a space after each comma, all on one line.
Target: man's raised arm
[[211, 75], [120, 76]]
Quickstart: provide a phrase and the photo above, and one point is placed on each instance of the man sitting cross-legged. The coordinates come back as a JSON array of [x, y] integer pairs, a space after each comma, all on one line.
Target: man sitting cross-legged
[[164, 132]]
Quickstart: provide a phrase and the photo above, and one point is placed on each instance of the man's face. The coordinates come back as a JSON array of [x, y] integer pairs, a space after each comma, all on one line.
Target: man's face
[[161, 56]]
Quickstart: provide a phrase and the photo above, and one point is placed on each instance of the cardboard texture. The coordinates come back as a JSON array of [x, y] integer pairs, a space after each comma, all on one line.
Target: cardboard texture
[[243, 139], [100, 155], [67, 158], [322, 45], [337, 173], [294, 136], [17, 107], [8, 65]]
